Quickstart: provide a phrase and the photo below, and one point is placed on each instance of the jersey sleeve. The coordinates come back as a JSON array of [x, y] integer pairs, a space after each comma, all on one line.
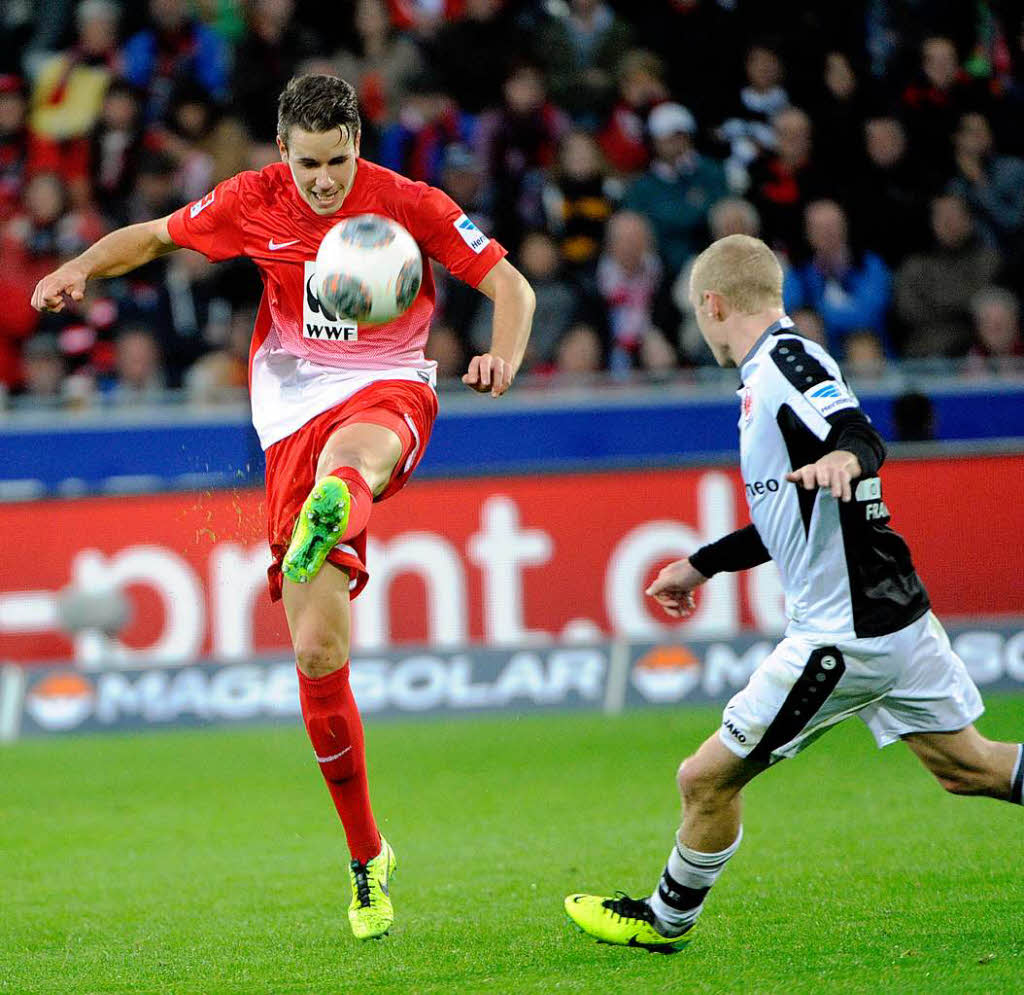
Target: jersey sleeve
[[212, 225], [803, 377], [448, 235]]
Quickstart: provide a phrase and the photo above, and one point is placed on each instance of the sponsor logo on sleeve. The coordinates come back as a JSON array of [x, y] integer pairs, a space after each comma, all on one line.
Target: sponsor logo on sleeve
[[203, 204], [830, 396], [470, 234]]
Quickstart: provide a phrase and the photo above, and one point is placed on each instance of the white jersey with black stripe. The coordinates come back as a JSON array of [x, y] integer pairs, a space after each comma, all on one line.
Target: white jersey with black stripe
[[845, 573]]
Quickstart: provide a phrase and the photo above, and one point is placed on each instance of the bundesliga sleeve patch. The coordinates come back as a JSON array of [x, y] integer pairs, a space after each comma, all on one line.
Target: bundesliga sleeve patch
[[470, 234], [201, 205], [830, 396]]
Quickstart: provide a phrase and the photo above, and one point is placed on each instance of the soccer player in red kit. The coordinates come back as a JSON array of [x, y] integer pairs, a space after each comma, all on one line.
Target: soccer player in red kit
[[343, 412]]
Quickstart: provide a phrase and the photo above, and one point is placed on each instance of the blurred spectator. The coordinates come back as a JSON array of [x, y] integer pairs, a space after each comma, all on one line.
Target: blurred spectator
[[580, 351], [913, 418], [782, 183], [176, 47], [577, 200], [556, 302], [206, 146], [428, 122], [657, 357], [642, 86], [43, 369], [138, 375], [997, 348], [748, 128], [115, 148], [628, 276], [934, 289], [888, 199], [381, 64], [849, 287], [14, 144], [445, 347], [934, 103], [677, 191], [265, 60], [223, 374], [155, 193], [864, 358], [518, 142], [809, 324], [580, 52], [729, 216], [839, 112], [68, 93], [474, 54], [463, 179], [992, 185]]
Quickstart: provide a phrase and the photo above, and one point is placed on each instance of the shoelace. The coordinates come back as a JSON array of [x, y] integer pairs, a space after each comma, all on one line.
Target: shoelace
[[362, 884], [628, 908]]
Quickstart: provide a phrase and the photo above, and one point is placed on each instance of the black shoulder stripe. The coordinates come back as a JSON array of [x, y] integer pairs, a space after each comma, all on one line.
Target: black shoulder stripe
[[801, 369]]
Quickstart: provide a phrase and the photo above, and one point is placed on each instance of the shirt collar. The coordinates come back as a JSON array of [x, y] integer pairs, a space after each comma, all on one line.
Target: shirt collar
[[773, 329]]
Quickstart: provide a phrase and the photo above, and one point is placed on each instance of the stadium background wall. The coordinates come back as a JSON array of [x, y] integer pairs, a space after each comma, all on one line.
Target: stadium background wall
[[574, 554]]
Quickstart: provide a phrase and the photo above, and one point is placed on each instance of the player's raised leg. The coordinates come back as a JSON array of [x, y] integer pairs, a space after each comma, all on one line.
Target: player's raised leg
[[709, 783], [966, 763], [355, 464], [318, 618]]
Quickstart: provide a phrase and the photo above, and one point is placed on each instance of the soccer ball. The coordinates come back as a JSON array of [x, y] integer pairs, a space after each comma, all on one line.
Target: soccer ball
[[368, 269]]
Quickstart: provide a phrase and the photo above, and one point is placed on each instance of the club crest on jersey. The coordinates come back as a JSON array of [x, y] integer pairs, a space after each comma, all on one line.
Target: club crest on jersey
[[319, 322], [201, 205], [747, 404], [829, 396], [470, 234]]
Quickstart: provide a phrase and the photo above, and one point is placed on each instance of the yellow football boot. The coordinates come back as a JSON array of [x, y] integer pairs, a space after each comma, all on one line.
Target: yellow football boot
[[628, 922], [370, 913], [321, 523]]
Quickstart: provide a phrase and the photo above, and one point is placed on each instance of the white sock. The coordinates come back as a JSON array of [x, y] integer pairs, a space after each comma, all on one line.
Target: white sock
[[687, 878]]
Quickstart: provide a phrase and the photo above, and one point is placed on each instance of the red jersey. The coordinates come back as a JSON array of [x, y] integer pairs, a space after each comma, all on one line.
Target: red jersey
[[299, 364]]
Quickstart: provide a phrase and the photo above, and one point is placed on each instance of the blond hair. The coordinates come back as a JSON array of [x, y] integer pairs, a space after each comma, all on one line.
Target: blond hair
[[743, 270]]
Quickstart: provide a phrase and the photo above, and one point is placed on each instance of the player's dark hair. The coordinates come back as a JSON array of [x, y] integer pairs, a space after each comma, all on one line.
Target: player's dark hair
[[318, 103]]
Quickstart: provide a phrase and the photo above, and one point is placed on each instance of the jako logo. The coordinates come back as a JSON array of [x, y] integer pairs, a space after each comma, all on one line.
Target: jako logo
[[734, 731], [827, 390]]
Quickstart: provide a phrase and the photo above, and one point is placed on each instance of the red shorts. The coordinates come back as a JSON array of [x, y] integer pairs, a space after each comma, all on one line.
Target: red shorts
[[407, 407]]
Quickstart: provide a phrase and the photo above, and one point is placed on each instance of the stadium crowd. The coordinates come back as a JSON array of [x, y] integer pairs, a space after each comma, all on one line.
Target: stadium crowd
[[876, 146]]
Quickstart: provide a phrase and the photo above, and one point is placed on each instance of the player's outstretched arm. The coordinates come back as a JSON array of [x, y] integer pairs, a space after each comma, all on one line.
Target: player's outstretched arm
[[514, 301], [114, 254]]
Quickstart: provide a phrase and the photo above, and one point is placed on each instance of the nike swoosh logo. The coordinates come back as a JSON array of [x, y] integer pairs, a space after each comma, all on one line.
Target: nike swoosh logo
[[333, 756], [272, 245]]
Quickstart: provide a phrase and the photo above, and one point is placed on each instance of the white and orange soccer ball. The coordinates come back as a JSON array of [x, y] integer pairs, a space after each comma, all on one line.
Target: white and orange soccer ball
[[368, 269]]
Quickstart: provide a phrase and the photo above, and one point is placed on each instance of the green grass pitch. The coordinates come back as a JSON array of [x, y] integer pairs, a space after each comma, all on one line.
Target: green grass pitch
[[211, 861]]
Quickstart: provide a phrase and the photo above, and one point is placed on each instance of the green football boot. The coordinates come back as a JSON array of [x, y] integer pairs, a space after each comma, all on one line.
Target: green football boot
[[628, 922], [370, 913], [321, 523]]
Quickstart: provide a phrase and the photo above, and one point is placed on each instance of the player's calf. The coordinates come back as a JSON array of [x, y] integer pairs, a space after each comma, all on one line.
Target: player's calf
[[966, 763]]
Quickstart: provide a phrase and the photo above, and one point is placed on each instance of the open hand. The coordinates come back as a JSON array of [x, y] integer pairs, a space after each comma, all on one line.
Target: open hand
[[488, 374]]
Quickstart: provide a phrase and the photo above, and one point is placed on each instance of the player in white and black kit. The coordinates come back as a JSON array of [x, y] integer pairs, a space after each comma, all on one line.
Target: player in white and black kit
[[861, 638]]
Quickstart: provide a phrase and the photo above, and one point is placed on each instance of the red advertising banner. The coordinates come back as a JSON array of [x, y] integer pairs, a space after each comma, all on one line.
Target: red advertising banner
[[495, 561]]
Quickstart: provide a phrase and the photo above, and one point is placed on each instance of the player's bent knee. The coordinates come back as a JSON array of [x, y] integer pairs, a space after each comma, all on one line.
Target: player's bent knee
[[320, 657], [698, 785]]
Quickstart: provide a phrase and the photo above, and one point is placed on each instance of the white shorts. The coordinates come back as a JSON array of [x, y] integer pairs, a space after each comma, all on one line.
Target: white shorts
[[908, 681]]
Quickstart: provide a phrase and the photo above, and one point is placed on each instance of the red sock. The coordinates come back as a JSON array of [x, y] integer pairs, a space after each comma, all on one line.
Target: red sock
[[336, 732], [361, 497]]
